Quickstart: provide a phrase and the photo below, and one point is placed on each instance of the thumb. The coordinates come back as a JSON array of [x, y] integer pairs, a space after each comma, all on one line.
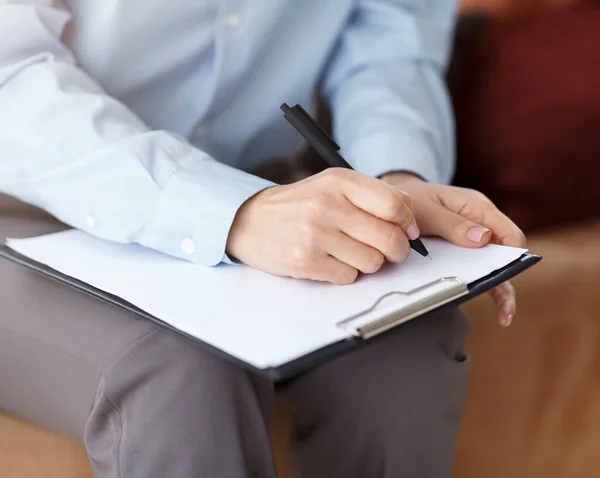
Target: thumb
[[454, 228]]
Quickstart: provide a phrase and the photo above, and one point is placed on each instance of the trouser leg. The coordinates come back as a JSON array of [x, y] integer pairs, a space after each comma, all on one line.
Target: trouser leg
[[391, 409], [147, 402]]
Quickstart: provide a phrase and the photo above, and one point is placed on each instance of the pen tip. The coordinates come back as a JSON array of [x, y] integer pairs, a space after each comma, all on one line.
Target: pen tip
[[429, 257]]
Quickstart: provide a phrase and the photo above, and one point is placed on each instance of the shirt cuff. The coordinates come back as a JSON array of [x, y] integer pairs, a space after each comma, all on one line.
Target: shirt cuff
[[196, 209], [385, 152]]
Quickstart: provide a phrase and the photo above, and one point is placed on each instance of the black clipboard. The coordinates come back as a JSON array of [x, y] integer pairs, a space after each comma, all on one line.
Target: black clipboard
[[361, 336]]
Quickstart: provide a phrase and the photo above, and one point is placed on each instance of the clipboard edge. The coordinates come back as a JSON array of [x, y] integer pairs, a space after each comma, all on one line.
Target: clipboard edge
[[46, 271]]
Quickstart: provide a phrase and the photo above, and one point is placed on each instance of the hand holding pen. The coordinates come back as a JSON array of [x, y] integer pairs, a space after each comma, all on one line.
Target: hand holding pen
[[328, 149], [462, 216], [328, 227], [320, 225]]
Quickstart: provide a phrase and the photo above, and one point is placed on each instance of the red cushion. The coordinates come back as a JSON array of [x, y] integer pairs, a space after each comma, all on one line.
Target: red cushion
[[528, 117]]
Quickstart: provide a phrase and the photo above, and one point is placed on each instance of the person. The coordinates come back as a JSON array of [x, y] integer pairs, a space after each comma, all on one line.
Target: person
[[142, 123]]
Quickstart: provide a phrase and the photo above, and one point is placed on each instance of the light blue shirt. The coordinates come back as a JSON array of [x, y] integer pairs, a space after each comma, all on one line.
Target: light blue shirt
[[135, 121]]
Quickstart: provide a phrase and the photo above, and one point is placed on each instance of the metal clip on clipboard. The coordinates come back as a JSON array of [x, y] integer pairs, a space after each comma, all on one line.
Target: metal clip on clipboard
[[379, 325]]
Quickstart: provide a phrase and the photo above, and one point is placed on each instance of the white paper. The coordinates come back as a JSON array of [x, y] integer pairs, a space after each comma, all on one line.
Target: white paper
[[261, 319]]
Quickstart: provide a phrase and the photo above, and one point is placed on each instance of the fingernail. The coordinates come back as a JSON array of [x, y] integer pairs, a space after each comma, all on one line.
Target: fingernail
[[476, 233], [508, 320], [412, 231]]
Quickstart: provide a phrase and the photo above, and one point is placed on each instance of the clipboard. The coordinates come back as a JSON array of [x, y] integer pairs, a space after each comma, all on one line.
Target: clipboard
[[453, 293]]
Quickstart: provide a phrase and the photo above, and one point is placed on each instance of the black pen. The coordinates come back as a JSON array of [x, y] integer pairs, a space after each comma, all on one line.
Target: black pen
[[328, 149]]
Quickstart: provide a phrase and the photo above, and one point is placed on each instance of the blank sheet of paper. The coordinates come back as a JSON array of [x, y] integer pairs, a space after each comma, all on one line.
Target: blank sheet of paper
[[261, 319]]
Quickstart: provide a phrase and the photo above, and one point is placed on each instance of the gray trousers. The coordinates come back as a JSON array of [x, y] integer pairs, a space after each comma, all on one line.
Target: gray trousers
[[151, 404]]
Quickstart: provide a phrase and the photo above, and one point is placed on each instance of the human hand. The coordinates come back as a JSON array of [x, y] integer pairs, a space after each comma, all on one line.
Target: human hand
[[327, 227], [466, 218]]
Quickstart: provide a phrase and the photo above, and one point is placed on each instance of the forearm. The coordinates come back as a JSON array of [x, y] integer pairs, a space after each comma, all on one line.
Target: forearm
[[69, 148]]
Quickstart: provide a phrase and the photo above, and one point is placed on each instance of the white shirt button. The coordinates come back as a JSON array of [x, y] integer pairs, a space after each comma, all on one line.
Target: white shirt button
[[201, 131], [188, 246], [90, 221], [234, 20]]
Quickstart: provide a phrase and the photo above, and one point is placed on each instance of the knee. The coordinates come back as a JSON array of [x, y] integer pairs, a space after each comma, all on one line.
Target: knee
[[423, 365], [444, 331], [414, 378], [168, 366], [431, 340], [408, 388], [167, 404]]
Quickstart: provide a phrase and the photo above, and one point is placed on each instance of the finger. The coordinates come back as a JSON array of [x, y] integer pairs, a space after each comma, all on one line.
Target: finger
[[383, 236], [479, 209], [356, 254], [506, 304], [439, 221], [330, 269], [379, 199], [505, 232]]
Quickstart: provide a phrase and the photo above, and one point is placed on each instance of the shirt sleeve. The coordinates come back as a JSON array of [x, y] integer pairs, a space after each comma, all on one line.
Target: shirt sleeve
[[74, 151], [386, 89]]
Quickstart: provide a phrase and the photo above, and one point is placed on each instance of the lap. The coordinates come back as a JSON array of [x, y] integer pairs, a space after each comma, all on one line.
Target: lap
[[70, 347], [63, 341], [53, 339]]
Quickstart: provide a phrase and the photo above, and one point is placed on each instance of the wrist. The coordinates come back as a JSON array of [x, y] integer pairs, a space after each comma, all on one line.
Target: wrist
[[242, 225], [239, 227]]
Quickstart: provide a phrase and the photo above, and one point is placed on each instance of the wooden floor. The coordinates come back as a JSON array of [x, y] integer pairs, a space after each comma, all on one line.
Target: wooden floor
[[30, 452]]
